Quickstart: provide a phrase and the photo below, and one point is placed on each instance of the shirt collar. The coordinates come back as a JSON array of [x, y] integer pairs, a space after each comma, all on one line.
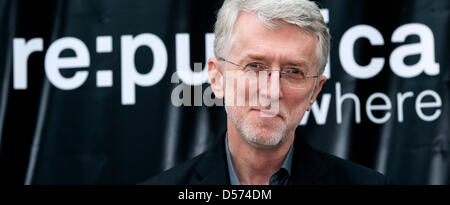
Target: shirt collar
[[234, 180]]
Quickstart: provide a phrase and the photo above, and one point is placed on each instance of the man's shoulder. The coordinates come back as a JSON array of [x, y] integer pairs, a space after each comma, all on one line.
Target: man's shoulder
[[207, 168], [341, 171], [181, 174]]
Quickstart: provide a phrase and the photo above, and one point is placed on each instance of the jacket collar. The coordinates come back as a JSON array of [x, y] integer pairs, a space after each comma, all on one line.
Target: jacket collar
[[307, 165], [212, 168]]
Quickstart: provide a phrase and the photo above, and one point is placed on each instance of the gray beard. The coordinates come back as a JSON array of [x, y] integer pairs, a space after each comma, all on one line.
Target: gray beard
[[246, 130]]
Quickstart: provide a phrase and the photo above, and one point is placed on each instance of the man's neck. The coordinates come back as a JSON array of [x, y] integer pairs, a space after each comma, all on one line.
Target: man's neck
[[252, 164]]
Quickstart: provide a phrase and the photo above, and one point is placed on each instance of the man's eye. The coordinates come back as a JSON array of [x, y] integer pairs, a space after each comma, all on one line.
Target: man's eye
[[294, 71], [255, 65]]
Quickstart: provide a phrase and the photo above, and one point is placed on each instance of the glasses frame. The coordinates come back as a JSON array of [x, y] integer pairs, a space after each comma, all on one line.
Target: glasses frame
[[267, 69]]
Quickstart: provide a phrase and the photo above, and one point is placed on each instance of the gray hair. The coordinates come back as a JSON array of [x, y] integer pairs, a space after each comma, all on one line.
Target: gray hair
[[303, 13]]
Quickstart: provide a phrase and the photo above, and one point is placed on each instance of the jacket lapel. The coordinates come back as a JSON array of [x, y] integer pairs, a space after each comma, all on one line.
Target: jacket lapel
[[307, 165], [212, 168]]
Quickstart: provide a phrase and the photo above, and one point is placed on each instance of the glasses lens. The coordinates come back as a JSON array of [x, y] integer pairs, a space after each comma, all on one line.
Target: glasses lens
[[293, 83]]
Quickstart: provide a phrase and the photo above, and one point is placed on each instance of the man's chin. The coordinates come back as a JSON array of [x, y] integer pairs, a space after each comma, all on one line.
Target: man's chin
[[264, 138], [263, 133]]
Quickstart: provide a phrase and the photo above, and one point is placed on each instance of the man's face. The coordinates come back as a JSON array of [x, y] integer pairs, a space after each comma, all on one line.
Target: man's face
[[278, 48]]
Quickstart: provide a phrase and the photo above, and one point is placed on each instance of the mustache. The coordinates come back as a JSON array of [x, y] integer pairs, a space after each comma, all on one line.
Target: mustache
[[276, 110]]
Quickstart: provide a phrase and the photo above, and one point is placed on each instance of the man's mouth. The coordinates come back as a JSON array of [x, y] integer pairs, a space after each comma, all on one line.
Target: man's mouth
[[268, 113]]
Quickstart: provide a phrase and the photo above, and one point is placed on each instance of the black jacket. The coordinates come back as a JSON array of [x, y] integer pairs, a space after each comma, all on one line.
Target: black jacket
[[309, 166]]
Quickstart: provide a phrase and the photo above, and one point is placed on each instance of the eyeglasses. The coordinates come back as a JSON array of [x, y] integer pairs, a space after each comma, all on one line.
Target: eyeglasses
[[290, 76]]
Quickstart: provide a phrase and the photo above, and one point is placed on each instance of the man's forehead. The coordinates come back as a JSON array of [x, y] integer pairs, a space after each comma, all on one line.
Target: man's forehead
[[252, 39]]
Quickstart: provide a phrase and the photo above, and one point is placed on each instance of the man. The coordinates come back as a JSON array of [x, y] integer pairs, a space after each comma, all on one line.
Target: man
[[276, 52]]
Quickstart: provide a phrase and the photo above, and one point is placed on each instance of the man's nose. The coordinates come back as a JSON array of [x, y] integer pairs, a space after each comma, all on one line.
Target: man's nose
[[273, 89]]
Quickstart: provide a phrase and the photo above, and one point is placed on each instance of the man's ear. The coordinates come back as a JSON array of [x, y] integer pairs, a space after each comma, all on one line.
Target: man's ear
[[215, 72], [317, 89]]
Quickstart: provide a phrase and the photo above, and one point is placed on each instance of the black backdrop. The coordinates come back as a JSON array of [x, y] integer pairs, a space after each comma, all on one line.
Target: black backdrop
[[92, 134]]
